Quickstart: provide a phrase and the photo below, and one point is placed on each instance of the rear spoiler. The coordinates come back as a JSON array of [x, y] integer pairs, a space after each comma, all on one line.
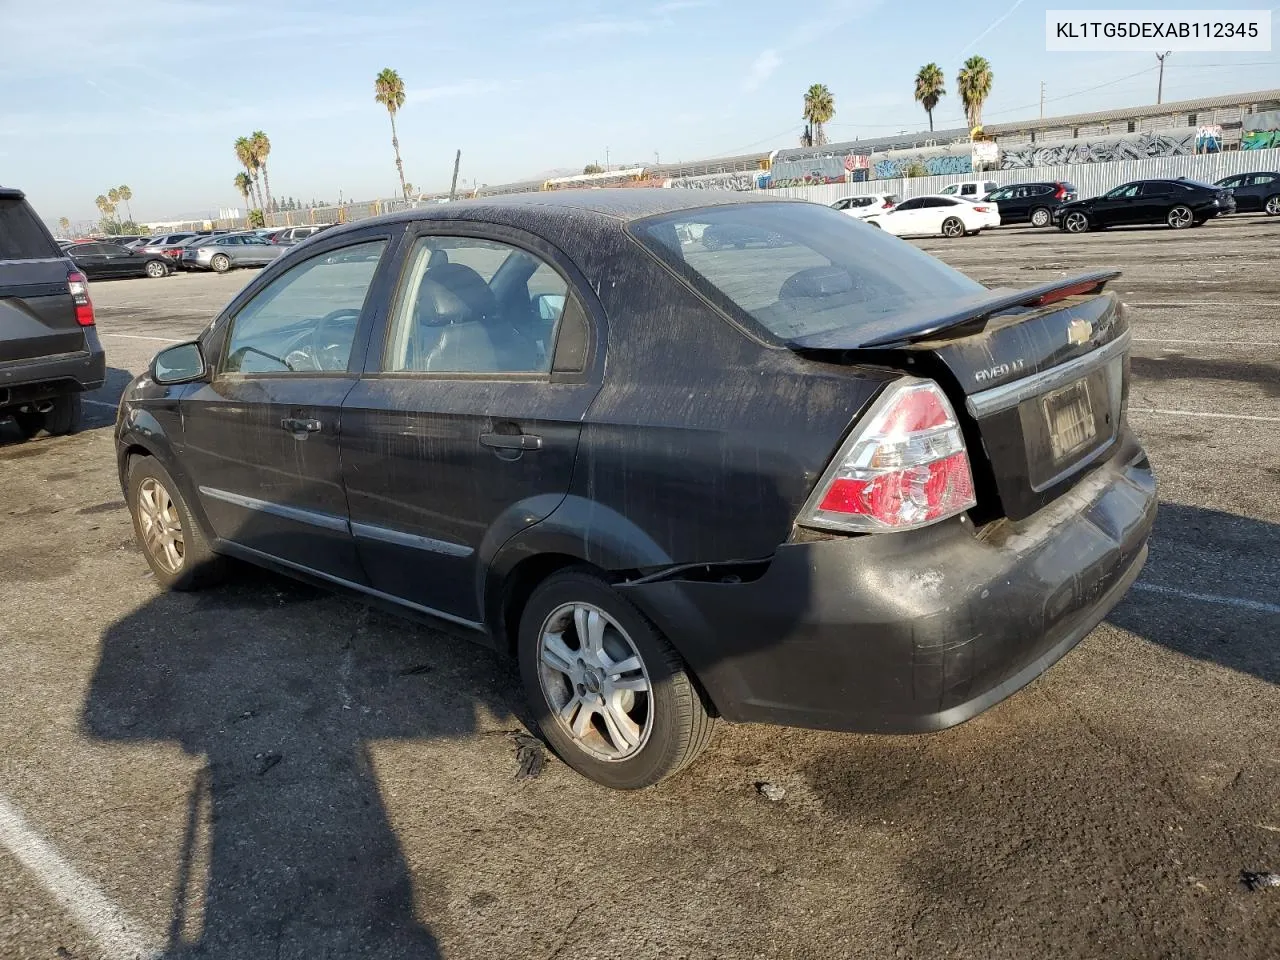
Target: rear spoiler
[[963, 317]]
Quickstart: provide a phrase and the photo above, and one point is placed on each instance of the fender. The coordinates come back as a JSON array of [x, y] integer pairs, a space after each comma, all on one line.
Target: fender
[[145, 427]]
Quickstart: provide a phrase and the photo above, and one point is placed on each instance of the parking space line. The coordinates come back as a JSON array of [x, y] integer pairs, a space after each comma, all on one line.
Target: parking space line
[[1209, 598], [134, 336], [1200, 413], [116, 932], [1213, 343]]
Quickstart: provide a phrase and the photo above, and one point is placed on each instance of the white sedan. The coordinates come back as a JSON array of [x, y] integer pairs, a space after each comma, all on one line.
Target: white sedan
[[865, 205], [934, 216]]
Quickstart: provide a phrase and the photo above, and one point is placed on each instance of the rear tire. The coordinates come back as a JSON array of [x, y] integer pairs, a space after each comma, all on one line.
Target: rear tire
[[220, 263], [156, 269], [1180, 217], [159, 512], [1041, 217], [655, 703], [65, 418], [953, 227]]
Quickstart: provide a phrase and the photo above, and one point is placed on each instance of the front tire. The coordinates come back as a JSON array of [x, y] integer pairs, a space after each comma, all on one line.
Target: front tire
[[1180, 217], [610, 694], [156, 269], [172, 542], [1075, 222], [1040, 217], [63, 418], [953, 227], [220, 263], [1272, 206]]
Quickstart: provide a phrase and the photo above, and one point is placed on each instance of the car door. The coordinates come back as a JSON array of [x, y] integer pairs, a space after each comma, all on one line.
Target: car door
[[1117, 207], [933, 210], [121, 261], [251, 251], [91, 258], [901, 220], [465, 427], [1153, 202], [262, 435], [1254, 191]]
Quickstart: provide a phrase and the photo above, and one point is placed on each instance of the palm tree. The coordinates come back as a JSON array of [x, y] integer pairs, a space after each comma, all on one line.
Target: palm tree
[[819, 108], [113, 196], [974, 84], [930, 88], [125, 195], [64, 226], [261, 148], [388, 90], [244, 185], [104, 208], [244, 153]]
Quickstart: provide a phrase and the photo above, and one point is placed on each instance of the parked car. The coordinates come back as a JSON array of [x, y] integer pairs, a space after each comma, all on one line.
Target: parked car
[[1254, 192], [971, 189], [110, 261], [896, 520], [1179, 203], [866, 204], [164, 244], [988, 213], [291, 235], [122, 239], [1033, 203], [934, 216], [222, 253], [49, 348]]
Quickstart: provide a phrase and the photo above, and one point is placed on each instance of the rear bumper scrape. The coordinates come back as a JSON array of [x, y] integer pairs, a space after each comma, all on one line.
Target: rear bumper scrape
[[913, 632]]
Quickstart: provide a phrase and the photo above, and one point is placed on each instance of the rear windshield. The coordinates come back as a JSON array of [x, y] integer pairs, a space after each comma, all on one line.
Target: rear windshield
[[22, 236], [794, 270]]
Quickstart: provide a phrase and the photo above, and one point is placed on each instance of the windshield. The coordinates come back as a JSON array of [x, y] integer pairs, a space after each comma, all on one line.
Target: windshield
[[794, 270]]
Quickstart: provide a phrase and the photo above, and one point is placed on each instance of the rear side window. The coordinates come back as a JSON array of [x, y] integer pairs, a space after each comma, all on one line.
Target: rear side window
[[22, 236], [820, 271]]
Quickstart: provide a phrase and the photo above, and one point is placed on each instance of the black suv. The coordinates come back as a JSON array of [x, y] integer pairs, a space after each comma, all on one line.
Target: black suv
[[1179, 203], [49, 349], [1033, 203]]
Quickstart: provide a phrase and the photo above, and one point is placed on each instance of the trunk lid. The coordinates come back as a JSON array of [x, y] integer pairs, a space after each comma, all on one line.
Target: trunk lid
[[37, 314], [1039, 377]]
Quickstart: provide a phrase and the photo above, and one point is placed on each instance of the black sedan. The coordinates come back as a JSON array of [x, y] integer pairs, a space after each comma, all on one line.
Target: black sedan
[[109, 261], [1254, 192], [833, 483], [1178, 203]]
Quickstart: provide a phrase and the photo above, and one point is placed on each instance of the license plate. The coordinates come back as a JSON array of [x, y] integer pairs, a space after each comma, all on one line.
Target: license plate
[[1069, 415]]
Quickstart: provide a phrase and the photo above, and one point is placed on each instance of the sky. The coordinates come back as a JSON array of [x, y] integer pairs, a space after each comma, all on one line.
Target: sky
[[152, 93]]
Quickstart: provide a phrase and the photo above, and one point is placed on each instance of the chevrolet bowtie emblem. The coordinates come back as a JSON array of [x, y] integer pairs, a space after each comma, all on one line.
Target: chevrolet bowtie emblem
[[1079, 331]]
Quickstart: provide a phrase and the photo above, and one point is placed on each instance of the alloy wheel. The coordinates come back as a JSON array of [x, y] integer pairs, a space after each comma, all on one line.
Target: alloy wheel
[[1076, 223], [952, 227], [1040, 218], [1180, 217], [156, 269], [595, 681], [220, 263], [161, 525], [1273, 206]]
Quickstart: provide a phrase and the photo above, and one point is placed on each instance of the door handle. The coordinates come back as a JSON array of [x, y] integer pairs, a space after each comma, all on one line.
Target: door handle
[[511, 441], [298, 425]]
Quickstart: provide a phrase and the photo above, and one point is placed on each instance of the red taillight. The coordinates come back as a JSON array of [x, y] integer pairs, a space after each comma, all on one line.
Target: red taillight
[[982, 209], [78, 286], [1060, 193], [905, 466], [1072, 291], [888, 205]]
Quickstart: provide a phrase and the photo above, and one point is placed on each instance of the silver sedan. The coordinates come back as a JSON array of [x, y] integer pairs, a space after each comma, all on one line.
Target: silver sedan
[[221, 253]]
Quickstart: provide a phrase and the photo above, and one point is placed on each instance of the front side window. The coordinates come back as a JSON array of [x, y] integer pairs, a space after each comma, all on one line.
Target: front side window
[[1127, 190], [476, 306], [825, 272], [305, 320]]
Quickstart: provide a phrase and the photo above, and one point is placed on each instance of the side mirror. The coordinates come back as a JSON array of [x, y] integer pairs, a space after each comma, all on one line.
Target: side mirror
[[181, 364]]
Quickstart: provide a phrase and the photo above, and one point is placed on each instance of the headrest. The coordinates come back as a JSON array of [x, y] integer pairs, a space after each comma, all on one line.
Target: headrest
[[816, 282], [437, 305]]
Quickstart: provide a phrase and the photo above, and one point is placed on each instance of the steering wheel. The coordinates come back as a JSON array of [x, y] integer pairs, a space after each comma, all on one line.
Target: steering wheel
[[310, 351]]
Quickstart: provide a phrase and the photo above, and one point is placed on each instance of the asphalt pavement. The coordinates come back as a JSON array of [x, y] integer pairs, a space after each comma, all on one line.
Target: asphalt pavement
[[267, 770]]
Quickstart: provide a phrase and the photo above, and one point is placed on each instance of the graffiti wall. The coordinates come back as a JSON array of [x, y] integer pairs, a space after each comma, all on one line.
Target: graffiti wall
[[934, 165], [1140, 146], [1260, 140], [740, 180]]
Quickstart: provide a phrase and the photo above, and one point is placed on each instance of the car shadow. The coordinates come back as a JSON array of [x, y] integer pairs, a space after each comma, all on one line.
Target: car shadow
[[95, 416], [1197, 554], [1174, 366]]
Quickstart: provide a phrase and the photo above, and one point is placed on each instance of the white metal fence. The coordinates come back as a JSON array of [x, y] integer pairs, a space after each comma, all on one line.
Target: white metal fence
[[1090, 179]]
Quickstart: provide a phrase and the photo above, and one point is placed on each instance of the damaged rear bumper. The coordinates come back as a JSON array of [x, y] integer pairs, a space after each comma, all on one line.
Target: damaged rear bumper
[[912, 632]]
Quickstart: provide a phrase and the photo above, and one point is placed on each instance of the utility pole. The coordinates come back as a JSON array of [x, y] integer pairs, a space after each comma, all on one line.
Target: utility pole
[[1160, 85], [606, 159], [453, 187], [1041, 99]]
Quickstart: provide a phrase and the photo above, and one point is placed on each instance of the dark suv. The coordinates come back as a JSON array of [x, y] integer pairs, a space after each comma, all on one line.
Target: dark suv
[[1254, 192], [1033, 203], [49, 350]]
